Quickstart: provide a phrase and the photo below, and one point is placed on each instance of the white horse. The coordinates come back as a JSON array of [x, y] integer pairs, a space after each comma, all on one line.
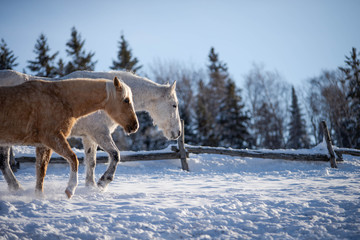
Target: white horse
[[96, 129]]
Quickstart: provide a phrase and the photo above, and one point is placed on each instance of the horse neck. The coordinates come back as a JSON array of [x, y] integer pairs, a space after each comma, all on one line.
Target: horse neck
[[144, 91], [84, 96]]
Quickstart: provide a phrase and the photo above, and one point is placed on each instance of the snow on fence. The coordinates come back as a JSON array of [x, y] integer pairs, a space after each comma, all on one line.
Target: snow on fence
[[182, 152]]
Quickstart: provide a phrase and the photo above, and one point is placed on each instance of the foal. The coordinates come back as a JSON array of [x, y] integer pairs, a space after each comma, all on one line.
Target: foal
[[42, 113]]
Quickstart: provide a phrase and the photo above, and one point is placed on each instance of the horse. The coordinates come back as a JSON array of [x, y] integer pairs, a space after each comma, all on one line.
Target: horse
[[42, 114], [159, 100]]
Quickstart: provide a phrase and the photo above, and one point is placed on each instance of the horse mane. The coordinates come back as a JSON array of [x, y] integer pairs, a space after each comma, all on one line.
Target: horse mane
[[131, 75], [124, 75], [111, 91]]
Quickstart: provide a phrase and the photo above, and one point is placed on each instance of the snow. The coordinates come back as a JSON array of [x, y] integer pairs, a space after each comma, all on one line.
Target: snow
[[222, 197]]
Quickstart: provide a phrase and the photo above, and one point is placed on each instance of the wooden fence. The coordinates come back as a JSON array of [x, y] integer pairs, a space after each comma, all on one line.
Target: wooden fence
[[182, 152]]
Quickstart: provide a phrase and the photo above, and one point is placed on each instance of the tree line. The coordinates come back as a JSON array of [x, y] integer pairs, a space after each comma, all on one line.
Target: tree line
[[266, 113]]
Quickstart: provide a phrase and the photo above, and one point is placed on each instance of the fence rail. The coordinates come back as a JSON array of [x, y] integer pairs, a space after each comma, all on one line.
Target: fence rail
[[270, 154], [182, 152], [348, 151], [123, 157]]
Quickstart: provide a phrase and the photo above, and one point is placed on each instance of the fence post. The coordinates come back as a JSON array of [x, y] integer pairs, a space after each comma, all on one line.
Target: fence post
[[329, 144], [181, 144]]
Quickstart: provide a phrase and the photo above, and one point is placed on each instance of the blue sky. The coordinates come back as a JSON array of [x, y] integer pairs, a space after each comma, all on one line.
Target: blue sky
[[296, 38]]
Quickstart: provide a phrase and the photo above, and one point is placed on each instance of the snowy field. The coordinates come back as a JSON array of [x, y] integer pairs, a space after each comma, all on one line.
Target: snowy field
[[221, 198]]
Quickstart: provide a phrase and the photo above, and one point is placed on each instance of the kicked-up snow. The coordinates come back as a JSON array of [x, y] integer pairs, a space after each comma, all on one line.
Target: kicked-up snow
[[220, 198]]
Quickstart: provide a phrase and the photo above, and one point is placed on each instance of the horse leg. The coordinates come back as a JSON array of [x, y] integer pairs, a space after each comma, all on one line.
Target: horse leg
[[60, 145], [9, 176], [43, 155], [13, 164], [106, 142], [90, 160]]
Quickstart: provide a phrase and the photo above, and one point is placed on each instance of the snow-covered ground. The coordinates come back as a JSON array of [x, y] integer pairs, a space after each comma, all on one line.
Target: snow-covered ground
[[221, 198]]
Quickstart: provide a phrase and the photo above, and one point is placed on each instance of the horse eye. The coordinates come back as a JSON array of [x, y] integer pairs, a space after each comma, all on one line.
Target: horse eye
[[174, 106], [126, 100]]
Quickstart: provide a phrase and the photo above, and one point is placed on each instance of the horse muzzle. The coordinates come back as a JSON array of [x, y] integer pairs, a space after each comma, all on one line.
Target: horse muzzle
[[175, 135], [132, 128]]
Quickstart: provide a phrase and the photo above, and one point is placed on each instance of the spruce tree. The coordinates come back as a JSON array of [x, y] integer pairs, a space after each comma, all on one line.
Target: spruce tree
[[218, 74], [7, 58], [80, 59], [60, 69], [203, 116], [352, 80], [125, 60], [234, 120], [186, 114], [298, 137], [267, 129], [43, 66], [216, 89], [220, 113]]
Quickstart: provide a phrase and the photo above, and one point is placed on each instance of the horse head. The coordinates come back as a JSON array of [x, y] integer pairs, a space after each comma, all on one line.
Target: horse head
[[119, 105], [165, 113]]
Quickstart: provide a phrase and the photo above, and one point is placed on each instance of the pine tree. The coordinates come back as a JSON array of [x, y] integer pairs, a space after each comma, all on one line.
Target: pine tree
[[218, 74], [125, 61], [220, 116], [43, 66], [267, 129], [80, 59], [234, 120], [7, 58], [186, 114], [60, 70], [216, 93], [298, 137], [203, 116], [352, 80]]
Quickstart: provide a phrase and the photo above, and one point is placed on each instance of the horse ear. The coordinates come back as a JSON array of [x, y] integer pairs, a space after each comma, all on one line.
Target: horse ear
[[117, 84], [172, 87]]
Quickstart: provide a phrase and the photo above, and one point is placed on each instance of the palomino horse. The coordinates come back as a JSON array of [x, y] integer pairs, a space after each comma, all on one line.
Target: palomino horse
[[42, 113], [95, 129]]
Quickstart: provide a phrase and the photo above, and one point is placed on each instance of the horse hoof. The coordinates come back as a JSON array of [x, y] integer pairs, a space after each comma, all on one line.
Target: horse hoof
[[68, 193], [102, 185], [90, 184], [16, 188], [39, 193]]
